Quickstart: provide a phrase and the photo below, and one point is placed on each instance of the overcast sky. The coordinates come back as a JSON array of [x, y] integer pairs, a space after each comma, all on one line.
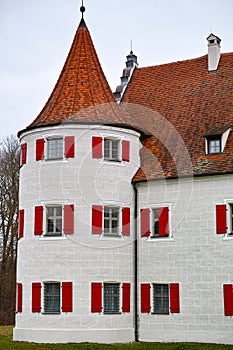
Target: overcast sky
[[36, 35]]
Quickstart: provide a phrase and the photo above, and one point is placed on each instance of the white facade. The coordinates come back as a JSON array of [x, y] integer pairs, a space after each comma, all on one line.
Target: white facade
[[192, 255], [196, 258], [82, 257]]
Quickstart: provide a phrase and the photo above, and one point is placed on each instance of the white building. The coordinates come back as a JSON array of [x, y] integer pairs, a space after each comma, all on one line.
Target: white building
[[125, 228]]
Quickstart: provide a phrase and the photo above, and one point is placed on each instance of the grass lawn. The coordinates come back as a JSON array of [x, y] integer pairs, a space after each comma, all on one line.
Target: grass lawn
[[7, 343]]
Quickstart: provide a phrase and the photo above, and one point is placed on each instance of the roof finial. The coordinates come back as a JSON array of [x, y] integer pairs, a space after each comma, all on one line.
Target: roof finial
[[131, 46], [82, 9]]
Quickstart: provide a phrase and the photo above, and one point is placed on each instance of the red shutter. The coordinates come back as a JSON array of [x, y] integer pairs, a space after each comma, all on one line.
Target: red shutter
[[163, 222], [38, 224], [36, 297], [126, 221], [125, 150], [145, 297], [96, 297], [69, 146], [221, 218], [126, 297], [228, 299], [68, 219], [174, 298], [67, 304], [39, 149], [145, 222], [19, 297], [21, 223], [97, 147], [23, 153], [97, 219]]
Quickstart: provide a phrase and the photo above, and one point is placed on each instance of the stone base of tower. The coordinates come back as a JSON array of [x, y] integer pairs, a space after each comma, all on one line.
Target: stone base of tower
[[74, 335]]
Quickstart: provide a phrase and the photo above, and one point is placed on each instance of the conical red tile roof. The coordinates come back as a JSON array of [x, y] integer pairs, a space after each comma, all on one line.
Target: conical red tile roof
[[82, 93]]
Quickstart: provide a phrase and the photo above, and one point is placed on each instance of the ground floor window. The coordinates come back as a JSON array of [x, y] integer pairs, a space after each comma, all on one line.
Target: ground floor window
[[161, 298], [52, 297], [111, 298]]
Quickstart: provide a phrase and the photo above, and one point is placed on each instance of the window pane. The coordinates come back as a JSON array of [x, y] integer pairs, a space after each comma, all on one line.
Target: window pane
[[156, 222], [111, 297], [59, 225], [106, 148], [161, 298], [50, 226], [58, 211], [52, 297], [115, 149]]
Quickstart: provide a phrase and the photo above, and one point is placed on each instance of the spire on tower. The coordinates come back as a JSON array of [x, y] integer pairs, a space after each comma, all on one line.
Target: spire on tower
[[82, 9]]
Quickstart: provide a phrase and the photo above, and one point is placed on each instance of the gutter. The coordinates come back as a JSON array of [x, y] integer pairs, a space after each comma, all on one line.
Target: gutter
[[136, 316]]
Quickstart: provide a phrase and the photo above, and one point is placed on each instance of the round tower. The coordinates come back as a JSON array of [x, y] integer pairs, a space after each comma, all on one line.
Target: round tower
[[75, 269]]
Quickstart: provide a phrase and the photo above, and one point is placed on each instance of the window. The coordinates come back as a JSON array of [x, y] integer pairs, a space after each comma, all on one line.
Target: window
[[224, 218], [111, 221], [155, 228], [111, 298], [165, 298], [161, 299], [54, 220], [55, 148], [231, 219], [111, 149], [52, 297], [214, 146], [155, 222]]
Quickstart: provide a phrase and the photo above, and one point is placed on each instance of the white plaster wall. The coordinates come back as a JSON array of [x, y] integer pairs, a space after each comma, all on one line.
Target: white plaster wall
[[198, 259], [82, 257]]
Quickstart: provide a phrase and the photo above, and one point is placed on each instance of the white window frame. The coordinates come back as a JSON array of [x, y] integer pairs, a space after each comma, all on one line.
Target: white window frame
[[111, 234], [152, 299], [46, 233], [214, 139], [229, 218], [44, 311], [120, 297], [54, 139], [111, 140], [153, 238]]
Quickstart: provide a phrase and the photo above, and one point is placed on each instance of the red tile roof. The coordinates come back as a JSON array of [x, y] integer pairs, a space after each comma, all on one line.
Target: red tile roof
[[179, 104], [82, 93]]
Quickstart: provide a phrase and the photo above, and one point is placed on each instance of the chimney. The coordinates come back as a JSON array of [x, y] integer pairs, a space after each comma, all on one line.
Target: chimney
[[213, 52]]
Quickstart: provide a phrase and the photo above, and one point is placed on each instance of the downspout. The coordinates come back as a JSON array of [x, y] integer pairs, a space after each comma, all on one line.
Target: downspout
[[136, 316]]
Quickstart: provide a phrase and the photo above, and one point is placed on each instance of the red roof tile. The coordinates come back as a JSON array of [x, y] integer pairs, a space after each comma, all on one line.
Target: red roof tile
[[179, 103], [82, 93]]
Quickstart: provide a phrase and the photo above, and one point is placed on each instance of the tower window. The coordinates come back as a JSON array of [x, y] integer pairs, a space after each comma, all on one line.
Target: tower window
[[111, 149], [111, 298], [54, 220], [111, 221], [52, 297], [55, 148], [161, 298]]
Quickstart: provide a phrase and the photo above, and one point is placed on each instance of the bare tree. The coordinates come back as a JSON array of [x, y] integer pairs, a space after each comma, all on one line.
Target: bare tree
[[9, 187]]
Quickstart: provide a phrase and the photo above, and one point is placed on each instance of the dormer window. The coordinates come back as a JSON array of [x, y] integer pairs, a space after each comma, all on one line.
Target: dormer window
[[216, 139], [214, 145]]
